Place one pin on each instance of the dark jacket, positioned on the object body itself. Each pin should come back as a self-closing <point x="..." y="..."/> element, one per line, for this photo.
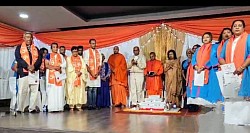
<point x="22" y="64"/>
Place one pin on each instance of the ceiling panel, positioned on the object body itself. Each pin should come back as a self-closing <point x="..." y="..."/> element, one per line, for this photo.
<point x="94" y="12"/>
<point x="57" y="18"/>
<point x="41" y="18"/>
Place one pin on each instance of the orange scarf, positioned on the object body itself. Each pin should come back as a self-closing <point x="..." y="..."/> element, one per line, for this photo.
<point x="240" y="49"/>
<point x="202" y="57"/>
<point x="55" y="60"/>
<point x="92" y="65"/>
<point x="190" y="75"/>
<point x="220" y="48"/>
<point x="25" y="54"/>
<point x="77" y="64"/>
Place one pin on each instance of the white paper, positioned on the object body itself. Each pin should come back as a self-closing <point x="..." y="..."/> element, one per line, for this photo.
<point x="228" y="68"/>
<point x="231" y="81"/>
<point x="199" y="78"/>
<point x="227" y="90"/>
<point x="231" y="90"/>
<point x="229" y="77"/>
<point x="220" y="78"/>
<point x="60" y="77"/>
<point x="33" y="78"/>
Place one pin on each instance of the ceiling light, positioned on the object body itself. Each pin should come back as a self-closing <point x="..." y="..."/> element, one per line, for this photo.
<point x="22" y="15"/>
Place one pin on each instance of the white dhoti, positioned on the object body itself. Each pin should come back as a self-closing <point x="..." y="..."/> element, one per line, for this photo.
<point x="27" y="90"/>
<point x="55" y="93"/>
<point x="136" y="89"/>
<point x="55" y="96"/>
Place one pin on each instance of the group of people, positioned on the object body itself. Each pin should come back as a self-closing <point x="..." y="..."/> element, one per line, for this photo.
<point x="233" y="46"/>
<point x="85" y="79"/>
<point x="54" y="80"/>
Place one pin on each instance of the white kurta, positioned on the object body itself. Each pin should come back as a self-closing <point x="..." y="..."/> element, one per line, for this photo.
<point x="136" y="79"/>
<point x="96" y="82"/>
<point x="55" y="94"/>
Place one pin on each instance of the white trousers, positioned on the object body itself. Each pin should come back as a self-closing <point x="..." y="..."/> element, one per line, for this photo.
<point x="27" y="90"/>
<point x="136" y="89"/>
<point x="12" y="86"/>
<point x="43" y="91"/>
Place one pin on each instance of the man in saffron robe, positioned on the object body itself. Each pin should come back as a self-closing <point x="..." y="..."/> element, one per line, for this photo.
<point x="119" y="78"/>
<point x="55" y="64"/>
<point x="237" y="51"/>
<point x="93" y="60"/>
<point x="29" y="61"/>
<point x="153" y="72"/>
<point x="76" y="80"/>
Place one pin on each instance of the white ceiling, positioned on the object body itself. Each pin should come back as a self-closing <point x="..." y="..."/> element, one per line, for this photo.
<point x="53" y="18"/>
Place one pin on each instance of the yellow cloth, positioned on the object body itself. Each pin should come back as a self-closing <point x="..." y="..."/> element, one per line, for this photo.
<point x="76" y="95"/>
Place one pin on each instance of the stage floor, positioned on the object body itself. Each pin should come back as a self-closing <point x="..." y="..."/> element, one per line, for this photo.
<point x="107" y="121"/>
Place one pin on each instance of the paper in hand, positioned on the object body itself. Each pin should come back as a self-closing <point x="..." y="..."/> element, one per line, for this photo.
<point x="60" y="77"/>
<point x="33" y="78"/>
<point x="199" y="78"/>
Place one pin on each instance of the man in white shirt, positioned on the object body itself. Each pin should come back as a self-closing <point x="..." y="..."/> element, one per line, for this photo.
<point x="92" y="58"/>
<point x="136" y="65"/>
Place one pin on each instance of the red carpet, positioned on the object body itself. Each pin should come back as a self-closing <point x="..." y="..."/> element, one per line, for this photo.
<point x="182" y="112"/>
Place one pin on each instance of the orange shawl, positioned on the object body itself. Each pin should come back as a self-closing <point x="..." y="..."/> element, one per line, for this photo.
<point x="190" y="75"/>
<point x="55" y="60"/>
<point x="202" y="57"/>
<point x="77" y="64"/>
<point x="220" y="48"/>
<point x="25" y="54"/>
<point x="92" y="65"/>
<point x="240" y="49"/>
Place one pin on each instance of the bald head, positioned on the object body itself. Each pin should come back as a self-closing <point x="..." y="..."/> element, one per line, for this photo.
<point x="116" y="50"/>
